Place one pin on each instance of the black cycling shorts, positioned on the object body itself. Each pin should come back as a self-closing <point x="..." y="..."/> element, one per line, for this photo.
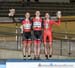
<point x="26" y="36"/>
<point x="37" y="35"/>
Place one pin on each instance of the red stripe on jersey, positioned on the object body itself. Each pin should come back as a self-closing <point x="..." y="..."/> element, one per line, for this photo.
<point x="37" y="24"/>
<point x="26" y="25"/>
<point x="48" y="24"/>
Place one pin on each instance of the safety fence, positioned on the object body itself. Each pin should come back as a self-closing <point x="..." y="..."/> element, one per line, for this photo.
<point x="11" y="38"/>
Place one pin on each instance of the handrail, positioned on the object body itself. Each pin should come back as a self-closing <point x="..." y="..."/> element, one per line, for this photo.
<point x="63" y="19"/>
<point x="61" y="33"/>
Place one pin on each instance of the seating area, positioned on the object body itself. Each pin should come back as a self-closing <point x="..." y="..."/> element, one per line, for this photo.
<point x="68" y="9"/>
<point x="68" y="13"/>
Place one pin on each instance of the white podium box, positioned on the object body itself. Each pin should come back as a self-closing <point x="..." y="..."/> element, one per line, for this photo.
<point x="40" y="65"/>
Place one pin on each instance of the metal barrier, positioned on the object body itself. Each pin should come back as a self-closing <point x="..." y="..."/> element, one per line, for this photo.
<point x="61" y="45"/>
<point x="13" y="41"/>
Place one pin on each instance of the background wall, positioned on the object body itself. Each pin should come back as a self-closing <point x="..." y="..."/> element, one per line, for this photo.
<point x="41" y="0"/>
<point x="54" y="0"/>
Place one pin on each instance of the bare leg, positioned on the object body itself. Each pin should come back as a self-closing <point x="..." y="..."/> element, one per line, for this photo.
<point x="35" y="49"/>
<point x="46" y="50"/>
<point x="51" y="49"/>
<point x="38" y="51"/>
<point x="29" y="49"/>
<point x="45" y="47"/>
<point x="24" y="49"/>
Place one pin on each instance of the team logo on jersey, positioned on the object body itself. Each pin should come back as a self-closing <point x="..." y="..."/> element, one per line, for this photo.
<point x="47" y="25"/>
<point x="37" y="24"/>
<point x="27" y="26"/>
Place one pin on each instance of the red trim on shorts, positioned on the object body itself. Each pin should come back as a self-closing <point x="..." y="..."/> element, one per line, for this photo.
<point x="36" y="42"/>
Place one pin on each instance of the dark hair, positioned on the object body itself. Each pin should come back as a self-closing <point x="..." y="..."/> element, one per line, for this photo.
<point x="49" y="15"/>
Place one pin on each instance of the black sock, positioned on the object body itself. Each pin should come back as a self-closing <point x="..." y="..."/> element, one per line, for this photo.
<point x="50" y="55"/>
<point x="46" y="56"/>
<point x="24" y="56"/>
<point x="29" y="55"/>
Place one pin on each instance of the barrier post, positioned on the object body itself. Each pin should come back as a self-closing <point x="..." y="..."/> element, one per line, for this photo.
<point x="69" y="48"/>
<point x="61" y="47"/>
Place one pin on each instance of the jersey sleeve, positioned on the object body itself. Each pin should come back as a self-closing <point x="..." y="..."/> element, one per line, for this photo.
<point x="56" y="22"/>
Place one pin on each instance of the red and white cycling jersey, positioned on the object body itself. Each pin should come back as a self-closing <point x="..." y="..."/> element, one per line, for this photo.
<point x="48" y="30"/>
<point x="48" y="24"/>
<point x="37" y="23"/>
<point x="26" y="25"/>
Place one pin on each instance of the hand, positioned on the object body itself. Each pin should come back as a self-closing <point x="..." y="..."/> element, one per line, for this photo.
<point x="59" y="14"/>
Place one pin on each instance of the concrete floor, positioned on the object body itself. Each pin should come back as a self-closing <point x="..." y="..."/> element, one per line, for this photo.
<point x="13" y="54"/>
